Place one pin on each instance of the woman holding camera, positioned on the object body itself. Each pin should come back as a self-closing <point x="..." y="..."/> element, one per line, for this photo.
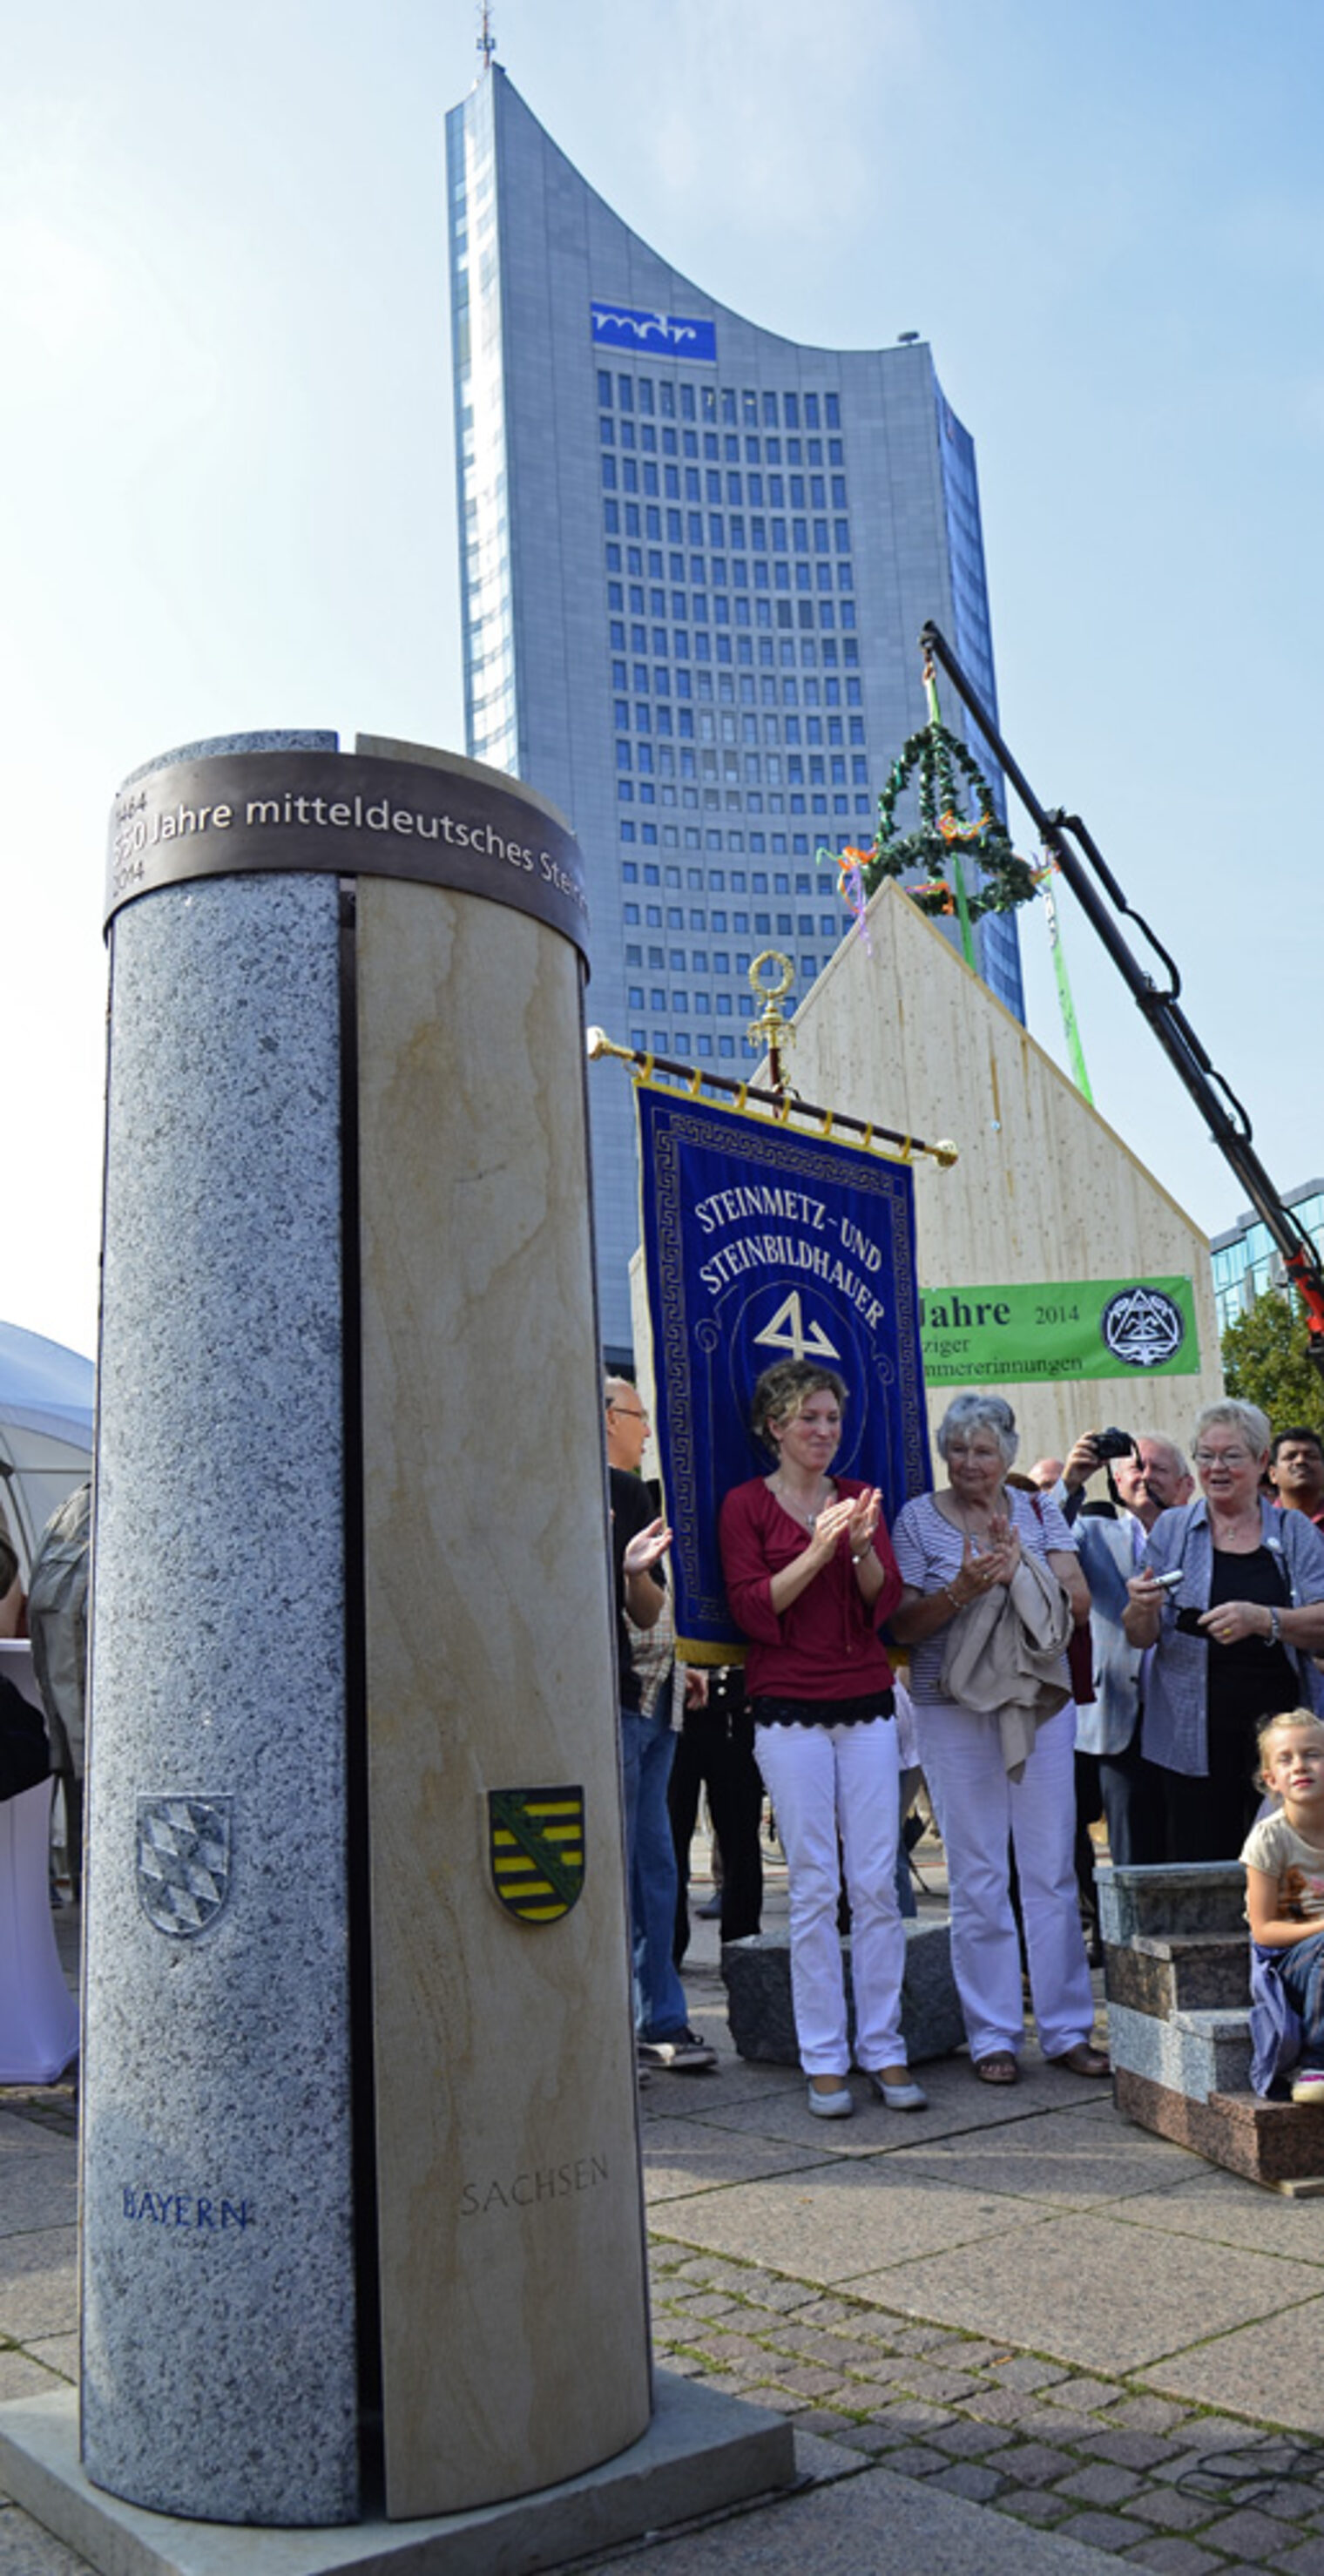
<point x="1231" y="1598"/>
<point x="954" y="1548"/>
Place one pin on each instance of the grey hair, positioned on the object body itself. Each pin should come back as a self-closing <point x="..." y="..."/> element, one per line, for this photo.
<point x="967" y="1413"/>
<point x="1160" y="1440"/>
<point x="1236" y="1416"/>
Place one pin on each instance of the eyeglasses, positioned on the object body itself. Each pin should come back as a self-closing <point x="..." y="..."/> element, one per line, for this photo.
<point x="629" y="1412"/>
<point x="1222" y="1457"/>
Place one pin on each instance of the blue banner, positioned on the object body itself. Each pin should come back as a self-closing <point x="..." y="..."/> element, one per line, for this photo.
<point x="762" y="1243"/>
<point x="671" y="335"/>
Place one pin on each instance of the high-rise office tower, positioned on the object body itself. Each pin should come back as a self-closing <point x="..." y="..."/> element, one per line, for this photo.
<point x="695" y="558"/>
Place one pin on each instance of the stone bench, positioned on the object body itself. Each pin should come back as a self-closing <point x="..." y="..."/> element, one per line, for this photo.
<point x="1176" y="1957"/>
<point x="757" y="1976"/>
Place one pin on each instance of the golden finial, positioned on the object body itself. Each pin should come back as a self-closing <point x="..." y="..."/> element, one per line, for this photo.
<point x="771" y="1031"/>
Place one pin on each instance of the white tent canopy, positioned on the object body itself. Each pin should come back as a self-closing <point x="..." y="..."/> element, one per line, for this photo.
<point x="46" y="1404"/>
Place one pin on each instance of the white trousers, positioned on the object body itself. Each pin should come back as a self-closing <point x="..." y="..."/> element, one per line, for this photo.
<point x="821" y="1780"/>
<point x="979" y="1810"/>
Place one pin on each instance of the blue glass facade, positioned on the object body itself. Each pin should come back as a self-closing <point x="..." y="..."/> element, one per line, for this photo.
<point x="695" y="560"/>
<point x="1247" y="1261"/>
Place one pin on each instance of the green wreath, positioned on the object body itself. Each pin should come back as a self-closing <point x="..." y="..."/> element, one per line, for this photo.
<point x="1004" y="879"/>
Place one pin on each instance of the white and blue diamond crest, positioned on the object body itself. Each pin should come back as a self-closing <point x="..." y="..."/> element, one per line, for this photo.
<point x="183" y="1862"/>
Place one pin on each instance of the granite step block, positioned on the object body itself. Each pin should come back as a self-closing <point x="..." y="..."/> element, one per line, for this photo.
<point x="1195" y="2053"/>
<point x="1187" y="1896"/>
<point x="1275" y="2143"/>
<point x="1163" y="1974"/>
<point x="757" y="1975"/>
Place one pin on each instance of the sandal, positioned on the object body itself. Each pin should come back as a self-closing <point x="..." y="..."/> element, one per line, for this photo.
<point x="1084" y="2059"/>
<point x="1000" y="2068"/>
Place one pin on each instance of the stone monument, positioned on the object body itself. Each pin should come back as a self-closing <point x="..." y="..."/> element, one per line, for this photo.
<point x="361" y="2193"/>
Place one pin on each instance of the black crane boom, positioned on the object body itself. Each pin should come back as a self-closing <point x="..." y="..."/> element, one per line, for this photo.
<point x="1229" y="1125"/>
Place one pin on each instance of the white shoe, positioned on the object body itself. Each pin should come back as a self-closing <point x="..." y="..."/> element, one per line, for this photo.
<point x="900" y="2097"/>
<point x="831" y="2106"/>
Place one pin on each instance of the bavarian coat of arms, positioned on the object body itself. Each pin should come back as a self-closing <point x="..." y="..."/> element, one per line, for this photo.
<point x="183" y="1862"/>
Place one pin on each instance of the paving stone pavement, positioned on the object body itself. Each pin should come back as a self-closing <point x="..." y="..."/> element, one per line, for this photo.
<point x="1078" y="2428"/>
<point x="1042" y="2366"/>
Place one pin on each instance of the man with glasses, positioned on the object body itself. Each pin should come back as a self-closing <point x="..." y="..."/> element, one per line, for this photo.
<point x="639" y="1542"/>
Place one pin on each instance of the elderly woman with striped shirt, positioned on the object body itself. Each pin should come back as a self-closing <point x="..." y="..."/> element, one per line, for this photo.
<point x="952" y="1547"/>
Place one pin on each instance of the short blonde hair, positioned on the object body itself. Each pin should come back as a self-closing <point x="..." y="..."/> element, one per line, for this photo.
<point x="1287" y="1721"/>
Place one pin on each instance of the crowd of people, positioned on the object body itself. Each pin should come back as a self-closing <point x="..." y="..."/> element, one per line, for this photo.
<point x="1121" y="1634"/>
<point x="1148" y="1650"/>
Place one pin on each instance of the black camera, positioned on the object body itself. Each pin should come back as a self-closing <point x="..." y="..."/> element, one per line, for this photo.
<point x="1114" y="1444"/>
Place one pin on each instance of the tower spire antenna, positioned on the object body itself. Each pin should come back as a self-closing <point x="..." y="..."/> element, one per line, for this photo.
<point x="486" y="42"/>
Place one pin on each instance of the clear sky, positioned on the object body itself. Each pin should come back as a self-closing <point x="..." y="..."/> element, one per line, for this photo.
<point x="225" y="443"/>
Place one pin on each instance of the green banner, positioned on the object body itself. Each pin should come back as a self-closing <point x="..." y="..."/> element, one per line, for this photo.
<point x="1059" y="1328"/>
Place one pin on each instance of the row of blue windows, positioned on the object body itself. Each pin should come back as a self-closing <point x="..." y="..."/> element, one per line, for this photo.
<point x="781" y="727"/>
<point x="808" y="691"/>
<point x="676" y="642"/>
<point x="758" y="842"/>
<point x="815" y="769"/>
<point x="699" y="961"/>
<point x="707" y="483"/>
<point x="793" y="453"/>
<point x="786" y="926"/>
<point x="717" y="402"/>
<point x="627" y="478"/>
<point x="710" y="648"/>
<point x="661" y="1044"/>
<point x="716" y="879"/>
<point x="725" y="608"/>
<point x="723" y="611"/>
<point x="721" y="965"/>
<point x="640" y="754"/>
<point x="713" y="572"/>
<point x="811" y="651"/>
<point x="678" y="1001"/>
<point x="675" y="965"/>
<point x="824" y="770"/>
<point x="646" y="793"/>
<point x="698" y="607"/>
<point x="686" y="527"/>
<point x="704" y="1006"/>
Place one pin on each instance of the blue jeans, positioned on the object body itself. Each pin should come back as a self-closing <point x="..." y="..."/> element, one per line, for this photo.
<point x="1301" y="1968"/>
<point x="647" y="1750"/>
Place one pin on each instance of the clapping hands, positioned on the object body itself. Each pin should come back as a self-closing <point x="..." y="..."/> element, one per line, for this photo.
<point x="999" y="1559"/>
<point x="644" y="1549"/>
<point x="855" y="1519"/>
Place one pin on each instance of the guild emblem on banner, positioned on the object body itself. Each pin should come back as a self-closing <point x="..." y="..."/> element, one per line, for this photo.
<point x="788" y="1331"/>
<point x="535" y="1849"/>
<point x="183" y="1862"/>
<point x="1143" y="1327"/>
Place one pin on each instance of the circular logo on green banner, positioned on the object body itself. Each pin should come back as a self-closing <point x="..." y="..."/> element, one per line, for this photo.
<point x="1142" y="1327"/>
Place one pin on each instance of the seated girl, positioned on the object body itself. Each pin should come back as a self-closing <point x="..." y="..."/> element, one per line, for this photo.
<point x="1284" y="1862"/>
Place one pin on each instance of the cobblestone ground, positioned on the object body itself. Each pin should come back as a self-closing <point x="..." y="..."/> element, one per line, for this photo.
<point x="1166" y="2486"/>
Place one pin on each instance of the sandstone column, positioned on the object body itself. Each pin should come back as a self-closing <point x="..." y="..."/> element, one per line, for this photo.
<point x="360" y="2165"/>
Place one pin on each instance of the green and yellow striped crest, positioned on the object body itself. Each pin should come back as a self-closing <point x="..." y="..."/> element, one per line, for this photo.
<point x="535" y="1843"/>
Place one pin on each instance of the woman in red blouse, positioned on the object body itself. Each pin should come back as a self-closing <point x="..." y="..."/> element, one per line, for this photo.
<point x="810" y="1576"/>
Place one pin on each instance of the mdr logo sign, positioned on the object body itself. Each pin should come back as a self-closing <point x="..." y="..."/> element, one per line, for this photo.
<point x="677" y="335"/>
